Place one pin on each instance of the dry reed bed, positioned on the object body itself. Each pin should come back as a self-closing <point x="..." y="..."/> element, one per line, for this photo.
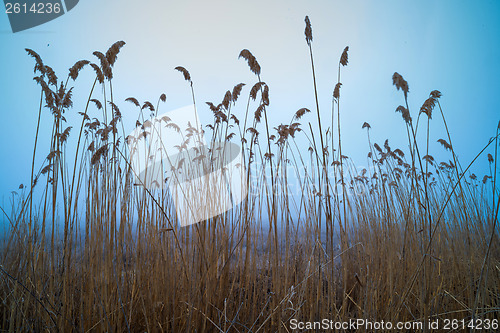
<point x="408" y="239"/>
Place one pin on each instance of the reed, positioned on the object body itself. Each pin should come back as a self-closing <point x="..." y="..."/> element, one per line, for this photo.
<point x="418" y="239"/>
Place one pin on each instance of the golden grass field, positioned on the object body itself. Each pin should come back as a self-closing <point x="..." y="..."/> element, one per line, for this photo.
<point x="407" y="239"/>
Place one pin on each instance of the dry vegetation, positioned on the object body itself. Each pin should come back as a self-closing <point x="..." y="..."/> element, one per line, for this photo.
<point x="406" y="239"/>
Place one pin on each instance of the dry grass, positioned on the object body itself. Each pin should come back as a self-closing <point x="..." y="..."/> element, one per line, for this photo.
<point x="96" y="253"/>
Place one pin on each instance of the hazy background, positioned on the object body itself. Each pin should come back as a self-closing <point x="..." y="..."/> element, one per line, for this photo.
<point x="452" y="46"/>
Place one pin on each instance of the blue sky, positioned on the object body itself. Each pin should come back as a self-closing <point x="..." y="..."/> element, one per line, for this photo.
<point x="452" y="46"/>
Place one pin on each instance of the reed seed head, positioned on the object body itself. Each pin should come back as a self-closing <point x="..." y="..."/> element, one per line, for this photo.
<point x="405" y="113"/>
<point x="133" y="101"/>
<point x="252" y="61"/>
<point x="301" y="112"/>
<point x="39" y="63"/>
<point x="400" y="83"/>
<point x="237" y="91"/>
<point x="428" y="106"/>
<point x="51" y="75"/>
<point x="255" y="89"/>
<point x="106" y="67"/>
<point x="445" y="144"/>
<point x="265" y="95"/>
<point x="148" y="105"/>
<point x="436" y="94"/>
<point x="98" y="72"/>
<point x="308" y="31"/>
<point x="336" y="91"/>
<point x="258" y="113"/>
<point x="227" y="99"/>
<point x="77" y="67"/>
<point x="344" y="57"/>
<point x="184" y="72"/>
<point x="113" y="51"/>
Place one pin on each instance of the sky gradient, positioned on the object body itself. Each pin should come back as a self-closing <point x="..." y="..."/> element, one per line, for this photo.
<point x="451" y="46"/>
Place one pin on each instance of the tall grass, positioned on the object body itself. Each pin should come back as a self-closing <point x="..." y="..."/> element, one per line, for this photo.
<point x="96" y="251"/>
